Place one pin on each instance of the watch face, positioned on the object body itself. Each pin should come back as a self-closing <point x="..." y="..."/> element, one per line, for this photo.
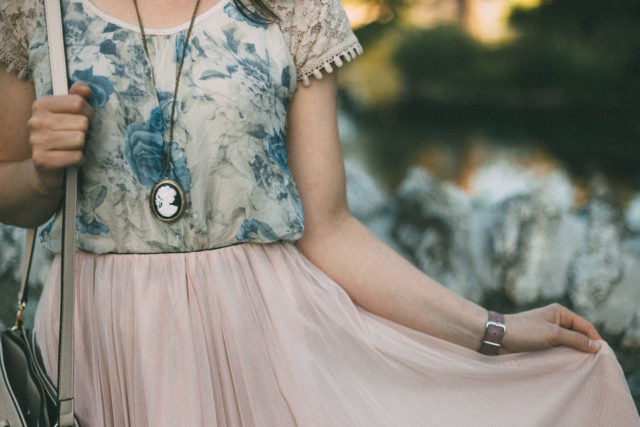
<point x="167" y="200"/>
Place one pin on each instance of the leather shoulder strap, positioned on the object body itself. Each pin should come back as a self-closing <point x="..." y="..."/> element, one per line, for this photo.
<point x="65" y="351"/>
<point x="29" y="245"/>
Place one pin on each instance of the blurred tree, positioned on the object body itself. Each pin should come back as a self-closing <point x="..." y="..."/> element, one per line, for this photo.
<point x="465" y="11"/>
<point x="601" y="39"/>
<point x="569" y="79"/>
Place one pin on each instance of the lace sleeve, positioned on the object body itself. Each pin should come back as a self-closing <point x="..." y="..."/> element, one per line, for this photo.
<point x="320" y="36"/>
<point x="16" y="19"/>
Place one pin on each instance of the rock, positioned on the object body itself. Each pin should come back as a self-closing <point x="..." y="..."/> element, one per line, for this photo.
<point x="369" y="203"/>
<point x="501" y="180"/>
<point x="11" y="262"/>
<point x="632" y="214"/>
<point x="366" y="198"/>
<point x="616" y="313"/>
<point x="479" y="244"/>
<point x="516" y="235"/>
<point x="12" y="239"/>
<point x="631" y="337"/>
<point x="532" y="237"/>
<point x="433" y="227"/>
<point x="554" y="271"/>
<point x="598" y="263"/>
<point x="634" y="385"/>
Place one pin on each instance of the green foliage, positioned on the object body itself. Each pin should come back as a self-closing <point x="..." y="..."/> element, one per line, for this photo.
<point x="582" y="18"/>
<point x="549" y="69"/>
<point x="569" y="79"/>
<point x="441" y="55"/>
<point x="599" y="40"/>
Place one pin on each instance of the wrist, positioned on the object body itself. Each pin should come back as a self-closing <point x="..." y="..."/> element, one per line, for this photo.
<point x="495" y="330"/>
<point x="51" y="187"/>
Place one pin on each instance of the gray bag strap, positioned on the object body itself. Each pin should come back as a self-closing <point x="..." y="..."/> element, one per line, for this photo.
<point x="65" y="349"/>
<point x="55" y="36"/>
<point x="28" y="258"/>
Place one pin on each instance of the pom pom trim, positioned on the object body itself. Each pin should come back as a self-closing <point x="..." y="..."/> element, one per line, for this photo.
<point x="328" y="60"/>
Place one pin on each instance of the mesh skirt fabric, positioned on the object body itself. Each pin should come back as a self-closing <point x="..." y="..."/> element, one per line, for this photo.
<point x="256" y="335"/>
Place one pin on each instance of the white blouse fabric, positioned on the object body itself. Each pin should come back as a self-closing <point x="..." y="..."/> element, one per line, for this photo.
<point x="229" y="136"/>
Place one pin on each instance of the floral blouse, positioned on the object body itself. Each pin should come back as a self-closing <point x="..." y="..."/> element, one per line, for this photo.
<point x="228" y="153"/>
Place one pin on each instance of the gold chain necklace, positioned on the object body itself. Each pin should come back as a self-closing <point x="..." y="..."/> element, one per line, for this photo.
<point x="167" y="199"/>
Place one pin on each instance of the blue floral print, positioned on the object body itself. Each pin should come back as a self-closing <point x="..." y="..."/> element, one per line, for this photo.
<point x="75" y="29"/>
<point x="250" y="229"/>
<point x="143" y="150"/>
<point x="165" y="100"/>
<point x="269" y="179"/>
<point x="286" y="76"/>
<point x="46" y="230"/>
<point x="180" y="47"/>
<point x="101" y="87"/>
<point x="108" y="47"/>
<point x="276" y="150"/>
<point x="156" y="120"/>
<point x="179" y="171"/>
<point x="92" y="197"/>
<point x="86" y="224"/>
<point x="228" y="152"/>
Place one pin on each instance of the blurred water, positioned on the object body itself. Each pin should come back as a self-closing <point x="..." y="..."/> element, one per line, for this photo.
<point x="454" y="143"/>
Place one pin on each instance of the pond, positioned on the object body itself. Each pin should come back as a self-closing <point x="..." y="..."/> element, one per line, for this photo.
<point x="453" y="142"/>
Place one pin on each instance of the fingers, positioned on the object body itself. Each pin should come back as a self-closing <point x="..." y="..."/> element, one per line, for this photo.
<point x="80" y="88"/>
<point x="53" y="160"/>
<point x="549" y="326"/>
<point x="60" y="121"/>
<point x="57" y="140"/>
<point x="74" y="103"/>
<point x="569" y="319"/>
<point x="576" y="340"/>
<point x="582" y="325"/>
<point x="57" y="133"/>
<point x="574" y="331"/>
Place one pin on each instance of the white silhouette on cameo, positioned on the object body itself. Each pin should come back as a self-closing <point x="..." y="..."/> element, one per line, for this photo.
<point x="164" y="201"/>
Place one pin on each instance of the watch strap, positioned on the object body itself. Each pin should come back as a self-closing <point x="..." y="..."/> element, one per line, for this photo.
<point x="493" y="334"/>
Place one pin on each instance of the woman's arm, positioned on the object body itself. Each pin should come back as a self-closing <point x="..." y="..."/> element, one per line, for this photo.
<point x="373" y="275"/>
<point x="39" y="139"/>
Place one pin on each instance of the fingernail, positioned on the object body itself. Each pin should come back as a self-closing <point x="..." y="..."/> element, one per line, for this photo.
<point x="594" y="345"/>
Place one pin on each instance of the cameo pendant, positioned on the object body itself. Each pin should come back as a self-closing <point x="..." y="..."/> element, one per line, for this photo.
<point x="167" y="200"/>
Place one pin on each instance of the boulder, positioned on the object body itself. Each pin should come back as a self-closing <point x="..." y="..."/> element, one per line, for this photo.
<point x="12" y="239"/>
<point x="632" y="214"/>
<point x="369" y="202"/>
<point x="527" y="229"/>
<point x="598" y="264"/>
<point x="11" y="262"/>
<point x="617" y="312"/>
<point x="432" y="226"/>
<point x="531" y="242"/>
<point x="631" y="337"/>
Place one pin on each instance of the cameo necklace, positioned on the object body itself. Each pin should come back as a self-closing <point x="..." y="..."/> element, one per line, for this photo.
<point x="167" y="199"/>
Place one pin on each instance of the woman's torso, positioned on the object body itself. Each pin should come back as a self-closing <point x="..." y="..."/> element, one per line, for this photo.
<point x="229" y="137"/>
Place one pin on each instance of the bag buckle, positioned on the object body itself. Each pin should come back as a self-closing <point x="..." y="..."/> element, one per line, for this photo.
<point x="19" y="316"/>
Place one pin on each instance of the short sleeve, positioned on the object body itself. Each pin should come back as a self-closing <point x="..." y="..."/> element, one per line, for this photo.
<point x="17" y="17"/>
<point x="320" y="37"/>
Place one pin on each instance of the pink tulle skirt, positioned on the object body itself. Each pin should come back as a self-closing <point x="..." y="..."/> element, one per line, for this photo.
<point x="256" y="335"/>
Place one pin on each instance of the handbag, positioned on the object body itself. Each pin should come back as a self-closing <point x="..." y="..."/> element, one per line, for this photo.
<point x="27" y="396"/>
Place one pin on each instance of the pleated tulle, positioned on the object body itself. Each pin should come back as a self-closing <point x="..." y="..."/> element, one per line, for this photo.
<point x="255" y="335"/>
